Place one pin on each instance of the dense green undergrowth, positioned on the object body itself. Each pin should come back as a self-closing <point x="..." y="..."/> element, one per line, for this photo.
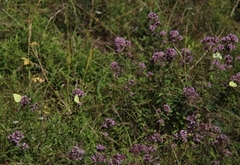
<point x="100" y="82"/>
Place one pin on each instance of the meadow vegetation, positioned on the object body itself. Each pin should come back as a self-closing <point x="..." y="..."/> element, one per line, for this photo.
<point x="132" y="82"/>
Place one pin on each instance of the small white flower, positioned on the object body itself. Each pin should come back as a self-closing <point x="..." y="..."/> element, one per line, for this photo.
<point x="15" y="122"/>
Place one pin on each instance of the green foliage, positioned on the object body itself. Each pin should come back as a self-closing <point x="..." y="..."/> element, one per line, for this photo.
<point x="51" y="51"/>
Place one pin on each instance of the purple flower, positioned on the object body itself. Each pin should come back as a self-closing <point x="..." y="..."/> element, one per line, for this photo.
<point x="226" y="152"/>
<point x="170" y="54"/>
<point x="152" y="16"/>
<point x="101" y="147"/>
<point x="174" y="36"/>
<point x="78" y="92"/>
<point x="230" y="38"/>
<point x="238" y="58"/>
<point x="160" y="121"/>
<point x="131" y="82"/>
<point x="99" y="158"/>
<point x="218" y="64"/>
<point x="228" y="59"/>
<point x="233" y="37"/>
<point x="117" y="159"/>
<point x="115" y="66"/>
<point x="121" y="44"/>
<point x="191" y="119"/>
<point x="154" y="21"/>
<point x="222" y="138"/>
<point x="142" y="65"/>
<point x="24" y="146"/>
<point x="231" y="47"/>
<point x="158" y="56"/>
<point x="163" y="33"/>
<point x="209" y="39"/>
<point x="216" y="162"/>
<point x="156" y="137"/>
<point x="149" y="74"/>
<point x="190" y="93"/>
<point x="25" y="100"/>
<point x="138" y="148"/>
<point x="16" y="137"/>
<point x="166" y="108"/>
<point x="198" y="137"/>
<point x="108" y="123"/>
<point x="187" y="57"/>
<point x="152" y="28"/>
<point x="215" y="129"/>
<point x="236" y="78"/>
<point x="183" y="135"/>
<point x="149" y="159"/>
<point x="158" y="110"/>
<point x="219" y="48"/>
<point x="34" y="106"/>
<point x="76" y="153"/>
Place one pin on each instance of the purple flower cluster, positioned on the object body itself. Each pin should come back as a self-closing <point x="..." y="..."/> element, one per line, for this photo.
<point x="34" y="106"/>
<point x="218" y="64"/>
<point x="190" y="93"/>
<point x="192" y="119"/>
<point x="76" y="153"/>
<point x="78" y="92"/>
<point x="156" y="137"/>
<point x="236" y="78"/>
<point x="138" y="149"/>
<point x="101" y="147"/>
<point x="186" y="55"/>
<point x="174" y="36"/>
<point x="117" y="159"/>
<point x="99" y="158"/>
<point x="108" y="123"/>
<point x="115" y="66"/>
<point x="182" y="135"/>
<point x="210" y="41"/>
<point x="230" y="41"/>
<point x="142" y="65"/>
<point x="149" y="74"/>
<point x="166" y="108"/>
<point x="207" y="133"/>
<point x="169" y="55"/>
<point x="227" y="64"/>
<point x="158" y="57"/>
<point x="216" y="162"/>
<point x="121" y="44"/>
<point x="226" y="152"/>
<point x="147" y="151"/>
<point x="154" y="21"/>
<point x="25" y="100"/>
<point x="220" y="44"/>
<point x="228" y="60"/>
<point x="16" y="138"/>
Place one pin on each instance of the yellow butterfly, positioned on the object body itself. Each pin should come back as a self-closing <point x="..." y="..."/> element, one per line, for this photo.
<point x="217" y="56"/>
<point x="232" y="84"/>
<point x="17" y="97"/>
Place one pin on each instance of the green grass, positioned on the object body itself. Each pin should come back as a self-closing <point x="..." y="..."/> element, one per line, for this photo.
<point x="69" y="45"/>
